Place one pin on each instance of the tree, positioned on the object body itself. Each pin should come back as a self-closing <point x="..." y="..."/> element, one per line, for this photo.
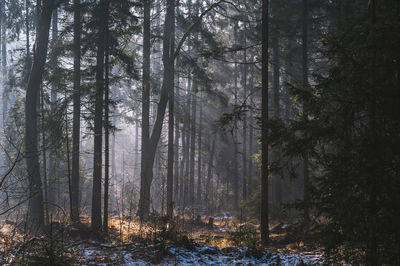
<point x="276" y="152"/>
<point x="305" y="87"/>
<point x="75" y="179"/>
<point x="101" y="15"/>
<point x="352" y="134"/>
<point x="194" y="89"/>
<point x="3" y="31"/>
<point x="35" y="208"/>
<point x="106" y="131"/>
<point x="169" y="57"/>
<point x="171" y="64"/>
<point x="264" y="127"/>
<point x="146" y="174"/>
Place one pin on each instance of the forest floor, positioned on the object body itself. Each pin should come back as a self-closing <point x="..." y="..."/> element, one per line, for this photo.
<point x="191" y="241"/>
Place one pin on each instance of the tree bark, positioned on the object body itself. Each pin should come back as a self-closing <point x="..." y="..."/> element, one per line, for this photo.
<point x="209" y="174"/>
<point x="372" y="246"/>
<point x="264" y="127"/>
<point x="305" y="87"/>
<point x="76" y="123"/>
<point x="54" y="184"/>
<point x="187" y="154"/>
<point x="171" y="64"/>
<point x="106" y="134"/>
<point x="251" y="134"/>
<point x="192" y="142"/>
<point x="176" y="150"/>
<point x="4" y="61"/>
<point x="244" y="145"/>
<point x="146" y="171"/>
<point x="102" y="21"/>
<point x="276" y="87"/>
<point x="168" y="82"/>
<point x="182" y="166"/>
<point x="235" y="136"/>
<point x="35" y="208"/>
<point x="44" y="158"/>
<point x="199" y="150"/>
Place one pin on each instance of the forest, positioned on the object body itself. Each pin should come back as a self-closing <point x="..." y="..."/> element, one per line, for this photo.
<point x="200" y="132"/>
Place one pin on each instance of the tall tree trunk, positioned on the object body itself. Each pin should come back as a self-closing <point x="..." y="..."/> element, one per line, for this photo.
<point x="177" y="176"/>
<point x="187" y="133"/>
<point x="76" y="123"/>
<point x="44" y="158"/>
<point x="251" y="133"/>
<point x="27" y="36"/>
<point x="305" y="87"/>
<point x="68" y="154"/>
<point x="4" y="61"/>
<point x="187" y="159"/>
<point x="106" y="133"/>
<point x="235" y="137"/>
<point x="102" y="22"/>
<point x="276" y="87"/>
<point x="209" y="174"/>
<point x="372" y="246"/>
<point x="244" y="145"/>
<point x="264" y="126"/>
<point x="168" y="83"/>
<point x="136" y="171"/>
<point x="192" y="141"/>
<point x="199" y="151"/>
<point x="113" y="171"/>
<point x="35" y="208"/>
<point x="146" y="171"/>
<point x="182" y="166"/>
<point x="54" y="184"/>
<point x="176" y="152"/>
<point x="169" y="56"/>
<point x="170" y="170"/>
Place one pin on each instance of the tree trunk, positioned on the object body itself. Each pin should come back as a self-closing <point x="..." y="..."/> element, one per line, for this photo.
<point x="264" y="126"/>
<point x="171" y="48"/>
<point x="372" y="246"/>
<point x="76" y="124"/>
<point x="35" y="208"/>
<point x="102" y="21"/>
<point x="305" y="87"/>
<point x="235" y="138"/>
<point x="113" y="172"/>
<point x="68" y="154"/>
<point x="199" y="173"/>
<point x="176" y="153"/>
<point x="244" y="145"/>
<point x="136" y="171"/>
<point x="27" y="34"/>
<point x="276" y="87"/>
<point x="146" y="171"/>
<point x="187" y="132"/>
<point x="54" y="184"/>
<point x="182" y="166"/>
<point x="192" y="141"/>
<point x="209" y="174"/>
<point x="187" y="159"/>
<point x="106" y="133"/>
<point x="169" y="56"/>
<point x="251" y="134"/>
<point x="168" y="83"/>
<point x="4" y="61"/>
<point x="44" y="158"/>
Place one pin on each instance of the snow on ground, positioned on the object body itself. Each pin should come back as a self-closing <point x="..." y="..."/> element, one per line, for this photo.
<point x="208" y="255"/>
<point x="211" y="255"/>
